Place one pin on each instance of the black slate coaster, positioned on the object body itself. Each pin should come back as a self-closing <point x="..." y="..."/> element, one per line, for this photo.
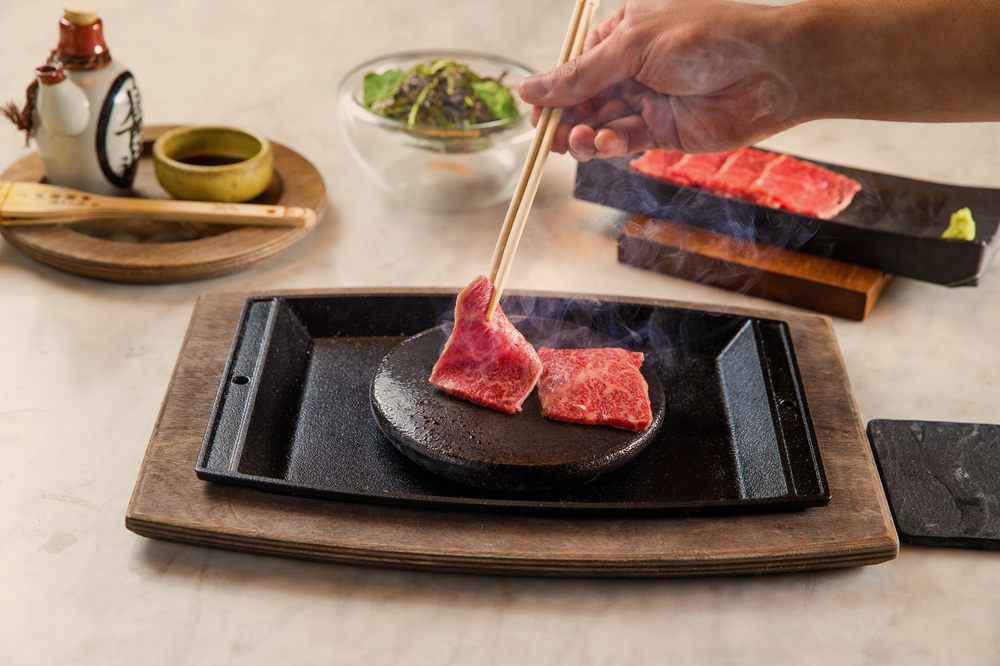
<point x="942" y="480"/>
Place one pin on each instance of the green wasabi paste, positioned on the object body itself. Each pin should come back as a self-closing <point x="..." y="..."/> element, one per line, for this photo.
<point x="962" y="226"/>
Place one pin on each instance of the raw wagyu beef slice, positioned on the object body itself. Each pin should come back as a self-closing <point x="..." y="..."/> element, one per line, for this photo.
<point x="697" y="169"/>
<point x="768" y="179"/>
<point x="657" y="163"/>
<point x="682" y="168"/>
<point x="600" y="386"/>
<point x="739" y="171"/>
<point x="488" y="363"/>
<point x="803" y="187"/>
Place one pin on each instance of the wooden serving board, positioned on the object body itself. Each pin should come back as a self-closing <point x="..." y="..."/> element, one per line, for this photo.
<point x="170" y="502"/>
<point x="804" y="280"/>
<point x="144" y="251"/>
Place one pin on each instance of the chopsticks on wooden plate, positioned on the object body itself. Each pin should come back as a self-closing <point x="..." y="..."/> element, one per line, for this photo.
<point x="37" y="204"/>
<point x="531" y="173"/>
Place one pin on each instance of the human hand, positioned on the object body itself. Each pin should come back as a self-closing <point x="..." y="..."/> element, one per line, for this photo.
<point x="692" y="75"/>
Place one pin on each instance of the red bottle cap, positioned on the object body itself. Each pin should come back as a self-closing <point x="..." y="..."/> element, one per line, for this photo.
<point x="81" y="35"/>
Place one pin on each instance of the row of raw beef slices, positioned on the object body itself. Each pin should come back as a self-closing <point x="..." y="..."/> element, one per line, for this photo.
<point x="765" y="178"/>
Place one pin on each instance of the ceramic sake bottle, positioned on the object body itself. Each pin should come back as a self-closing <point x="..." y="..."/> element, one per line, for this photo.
<point x="87" y="112"/>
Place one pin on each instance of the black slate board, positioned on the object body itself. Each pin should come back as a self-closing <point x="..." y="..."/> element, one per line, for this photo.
<point x="293" y="414"/>
<point x="942" y="480"/>
<point x="893" y="224"/>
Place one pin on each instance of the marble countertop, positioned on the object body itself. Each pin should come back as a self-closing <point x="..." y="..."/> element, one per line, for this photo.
<point x="85" y="364"/>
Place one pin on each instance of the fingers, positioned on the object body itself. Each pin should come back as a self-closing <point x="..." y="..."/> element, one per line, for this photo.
<point x="613" y="109"/>
<point x="585" y="116"/>
<point x="581" y="142"/>
<point x="582" y="78"/>
<point x="569" y="120"/>
<point x="560" y="141"/>
<point x="621" y="137"/>
<point x="607" y="26"/>
<point x="617" y="138"/>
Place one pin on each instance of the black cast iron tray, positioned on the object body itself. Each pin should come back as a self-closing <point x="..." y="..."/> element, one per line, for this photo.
<point x="893" y="223"/>
<point x="293" y="416"/>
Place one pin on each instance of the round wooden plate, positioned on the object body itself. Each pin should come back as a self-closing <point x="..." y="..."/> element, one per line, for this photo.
<point x="144" y="251"/>
<point x="480" y="447"/>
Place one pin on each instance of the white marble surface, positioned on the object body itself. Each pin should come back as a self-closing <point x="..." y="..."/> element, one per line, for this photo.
<point x="83" y="366"/>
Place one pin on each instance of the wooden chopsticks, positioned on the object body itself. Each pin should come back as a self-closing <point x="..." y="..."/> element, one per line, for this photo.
<point x="531" y="174"/>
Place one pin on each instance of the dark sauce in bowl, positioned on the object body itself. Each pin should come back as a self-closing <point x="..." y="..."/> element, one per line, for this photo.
<point x="211" y="160"/>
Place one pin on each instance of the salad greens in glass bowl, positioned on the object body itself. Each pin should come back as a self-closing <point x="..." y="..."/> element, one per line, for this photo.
<point x="444" y="94"/>
<point x="438" y="129"/>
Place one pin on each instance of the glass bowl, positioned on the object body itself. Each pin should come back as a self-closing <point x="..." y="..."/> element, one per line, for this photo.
<point x="435" y="168"/>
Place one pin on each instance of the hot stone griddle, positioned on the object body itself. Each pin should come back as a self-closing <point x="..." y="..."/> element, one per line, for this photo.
<point x="293" y="412"/>
<point x="485" y="448"/>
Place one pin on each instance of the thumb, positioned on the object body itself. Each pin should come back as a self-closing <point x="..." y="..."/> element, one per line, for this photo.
<point x="583" y="77"/>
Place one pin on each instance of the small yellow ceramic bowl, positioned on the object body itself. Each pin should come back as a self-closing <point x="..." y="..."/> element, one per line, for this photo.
<point x="213" y="163"/>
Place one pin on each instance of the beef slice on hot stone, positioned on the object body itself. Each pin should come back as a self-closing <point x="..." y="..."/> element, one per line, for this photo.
<point x="600" y="386"/>
<point x="488" y="363"/>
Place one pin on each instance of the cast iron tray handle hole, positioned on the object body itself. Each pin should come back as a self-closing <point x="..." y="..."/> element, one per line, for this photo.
<point x="240" y="380"/>
<point x="784" y="403"/>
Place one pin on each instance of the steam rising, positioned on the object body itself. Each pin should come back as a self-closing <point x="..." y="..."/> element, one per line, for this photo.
<point x="718" y="97"/>
<point x="755" y="94"/>
<point x="575" y="322"/>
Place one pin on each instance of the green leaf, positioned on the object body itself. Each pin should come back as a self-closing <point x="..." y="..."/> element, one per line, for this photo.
<point x="961" y="226"/>
<point x="439" y="65"/>
<point x="497" y="99"/>
<point x="380" y="87"/>
<point x="411" y="120"/>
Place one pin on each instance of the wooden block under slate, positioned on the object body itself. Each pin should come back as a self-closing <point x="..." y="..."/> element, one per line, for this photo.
<point x="804" y="280"/>
<point x="942" y="480"/>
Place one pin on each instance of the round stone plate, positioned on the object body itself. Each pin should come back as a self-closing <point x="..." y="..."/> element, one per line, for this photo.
<point x="481" y="447"/>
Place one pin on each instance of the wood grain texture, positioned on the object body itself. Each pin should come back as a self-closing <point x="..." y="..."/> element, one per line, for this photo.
<point x="142" y="251"/>
<point x="169" y="502"/>
<point x="804" y="280"/>
<point x="40" y="204"/>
